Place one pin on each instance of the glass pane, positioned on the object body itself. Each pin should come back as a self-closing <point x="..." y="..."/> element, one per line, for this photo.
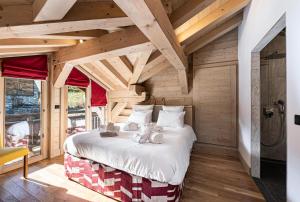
<point x="22" y="114"/>
<point x="98" y="117"/>
<point x="76" y="110"/>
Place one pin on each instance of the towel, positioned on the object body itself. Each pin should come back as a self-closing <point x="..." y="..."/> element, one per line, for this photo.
<point x="109" y="126"/>
<point x="131" y="126"/>
<point x="157" y="129"/>
<point x="142" y="137"/>
<point x="109" y="130"/>
<point x="157" y="138"/>
<point x="108" y="134"/>
<point x="154" y="127"/>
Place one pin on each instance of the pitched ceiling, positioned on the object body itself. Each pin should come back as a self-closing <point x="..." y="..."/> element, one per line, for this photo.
<point x="118" y="42"/>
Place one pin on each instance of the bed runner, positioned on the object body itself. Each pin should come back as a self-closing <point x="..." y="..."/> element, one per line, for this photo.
<point x="118" y="184"/>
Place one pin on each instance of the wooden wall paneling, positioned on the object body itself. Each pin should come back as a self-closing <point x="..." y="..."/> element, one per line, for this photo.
<point x="221" y="50"/>
<point x="54" y="134"/>
<point x="63" y="116"/>
<point x="215" y="103"/>
<point x="88" y="110"/>
<point x="165" y="88"/>
<point x="45" y="120"/>
<point x="2" y="110"/>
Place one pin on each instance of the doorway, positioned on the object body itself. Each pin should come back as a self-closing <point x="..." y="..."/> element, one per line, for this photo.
<point x="24" y="118"/>
<point x="268" y="109"/>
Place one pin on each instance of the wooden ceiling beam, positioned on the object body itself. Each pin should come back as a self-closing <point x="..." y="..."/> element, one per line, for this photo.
<point x="126" y="96"/>
<point x="214" y="18"/>
<point x="214" y="34"/>
<point x="45" y="10"/>
<point x="116" y="111"/>
<point x="95" y="76"/>
<point x="139" y="66"/>
<point x="77" y="35"/>
<point x="150" y="17"/>
<point x="13" y="52"/>
<point x="61" y="73"/>
<point x="110" y="70"/>
<point x="17" y="21"/>
<point x="35" y="43"/>
<point x="188" y="10"/>
<point x="122" y="65"/>
<point x="153" y="70"/>
<point x="107" y="46"/>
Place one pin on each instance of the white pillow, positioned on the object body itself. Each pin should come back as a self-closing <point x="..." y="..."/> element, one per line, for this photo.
<point x="173" y="108"/>
<point x="170" y="119"/>
<point x="140" y="117"/>
<point x="142" y="107"/>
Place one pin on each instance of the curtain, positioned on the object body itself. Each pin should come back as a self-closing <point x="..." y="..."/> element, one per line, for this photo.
<point x="29" y="67"/>
<point x="98" y="98"/>
<point x="77" y="78"/>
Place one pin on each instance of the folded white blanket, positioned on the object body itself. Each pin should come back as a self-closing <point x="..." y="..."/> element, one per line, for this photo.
<point x="131" y="126"/>
<point x="156" y="138"/>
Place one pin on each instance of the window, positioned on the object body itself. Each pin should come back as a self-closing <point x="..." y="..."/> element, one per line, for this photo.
<point x="76" y="109"/>
<point x="23" y="114"/>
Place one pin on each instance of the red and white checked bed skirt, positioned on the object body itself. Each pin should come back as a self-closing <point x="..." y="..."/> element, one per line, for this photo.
<point x="118" y="184"/>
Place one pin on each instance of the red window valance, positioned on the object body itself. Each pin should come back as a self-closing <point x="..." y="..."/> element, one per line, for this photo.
<point x="77" y="78"/>
<point x="98" y="95"/>
<point x="29" y="67"/>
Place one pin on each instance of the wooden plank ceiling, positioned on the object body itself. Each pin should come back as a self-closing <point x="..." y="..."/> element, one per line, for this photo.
<point x="118" y="43"/>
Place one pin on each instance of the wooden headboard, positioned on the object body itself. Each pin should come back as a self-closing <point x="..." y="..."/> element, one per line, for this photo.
<point x="188" y="119"/>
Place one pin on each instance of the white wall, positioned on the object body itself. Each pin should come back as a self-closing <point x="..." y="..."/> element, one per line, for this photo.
<point x="259" y="17"/>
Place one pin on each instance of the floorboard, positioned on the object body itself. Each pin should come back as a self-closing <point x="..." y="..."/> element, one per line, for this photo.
<point x="211" y="177"/>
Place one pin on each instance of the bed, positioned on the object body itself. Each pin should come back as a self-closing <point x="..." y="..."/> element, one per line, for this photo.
<point x="127" y="171"/>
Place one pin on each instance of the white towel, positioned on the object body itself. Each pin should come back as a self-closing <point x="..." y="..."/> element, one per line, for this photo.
<point x="131" y="126"/>
<point x="157" y="138"/>
<point x="142" y="137"/>
<point x="157" y="129"/>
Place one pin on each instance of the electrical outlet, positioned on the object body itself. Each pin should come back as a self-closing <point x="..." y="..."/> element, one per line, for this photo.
<point x="297" y="119"/>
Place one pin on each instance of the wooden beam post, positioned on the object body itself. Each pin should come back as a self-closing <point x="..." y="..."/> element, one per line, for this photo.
<point x="45" y="10"/>
<point x="139" y="66"/>
<point x="150" y="17"/>
<point x="60" y="74"/>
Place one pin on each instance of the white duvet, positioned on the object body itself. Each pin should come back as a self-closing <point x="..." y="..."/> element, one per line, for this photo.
<point x="167" y="162"/>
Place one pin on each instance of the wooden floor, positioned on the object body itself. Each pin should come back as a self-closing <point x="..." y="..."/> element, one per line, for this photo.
<point x="210" y="178"/>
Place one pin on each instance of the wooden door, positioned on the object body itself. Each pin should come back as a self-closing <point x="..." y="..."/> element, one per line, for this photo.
<point x="214" y="98"/>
